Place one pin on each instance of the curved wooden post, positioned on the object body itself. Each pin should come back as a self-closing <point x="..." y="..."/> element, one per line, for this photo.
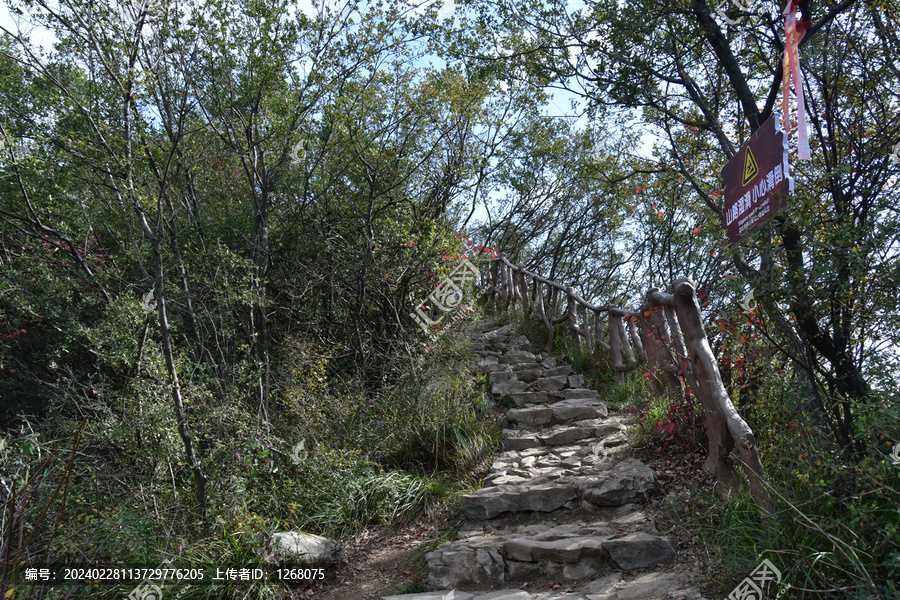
<point x="586" y="329"/>
<point x="615" y="349"/>
<point x="629" y="359"/>
<point x="572" y="312"/>
<point x="504" y="284"/>
<point x="725" y="427"/>
<point x="659" y="361"/>
<point x="551" y="320"/>
<point x="598" y="337"/>
<point x="523" y="293"/>
<point x="682" y="359"/>
<point x="636" y="340"/>
<point x="495" y="277"/>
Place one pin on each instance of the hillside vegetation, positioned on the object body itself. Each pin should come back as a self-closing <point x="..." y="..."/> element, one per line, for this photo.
<point x="216" y="220"/>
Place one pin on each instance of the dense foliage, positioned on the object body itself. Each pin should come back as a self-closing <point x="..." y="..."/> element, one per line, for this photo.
<point x="216" y="219"/>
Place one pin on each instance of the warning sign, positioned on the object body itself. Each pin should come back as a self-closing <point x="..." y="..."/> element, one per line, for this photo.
<point x="756" y="181"/>
<point x="751" y="169"/>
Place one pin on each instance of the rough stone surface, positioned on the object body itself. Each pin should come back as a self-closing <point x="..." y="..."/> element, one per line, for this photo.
<point x="305" y="548"/>
<point x="564" y="456"/>
<point x="637" y="550"/>
<point x="489" y="502"/>
<point x="567" y="550"/>
<point x="629" y="480"/>
<point x="505" y="388"/>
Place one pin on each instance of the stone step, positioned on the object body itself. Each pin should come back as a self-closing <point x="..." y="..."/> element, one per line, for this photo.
<point x="565" y="411"/>
<point x="595" y="435"/>
<point x="557" y="517"/>
<point x="578" y="551"/>
<point x="518" y="357"/>
<point x="538" y="480"/>
<point x="507" y="383"/>
<point x="617" y="586"/>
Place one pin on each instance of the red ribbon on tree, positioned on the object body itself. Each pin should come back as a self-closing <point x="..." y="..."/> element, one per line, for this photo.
<point x="794" y="31"/>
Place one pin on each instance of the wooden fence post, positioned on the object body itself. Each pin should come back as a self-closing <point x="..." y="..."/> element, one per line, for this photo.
<point x="523" y="293"/>
<point x="572" y="312"/>
<point x="659" y="361"/>
<point x="725" y="427"/>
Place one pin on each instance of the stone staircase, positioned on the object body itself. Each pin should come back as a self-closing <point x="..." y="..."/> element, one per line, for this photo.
<point x="558" y="516"/>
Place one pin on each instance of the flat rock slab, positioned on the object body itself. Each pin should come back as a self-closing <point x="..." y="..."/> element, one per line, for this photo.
<point x="439" y="595"/>
<point x="505" y="388"/>
<point x="627" y="481"/>
<point x="649" y="586"/>
<point x="531" y="417"/>
<point x="578" y="393"/>
<point x="550" y="384"/>
<point x="638" y="550"/>
<point x="500" y="331"/>
<point x="518" y="356"/>
<point x="566" y="550"/>
<point x="489" y="502"/>
<point x="554" y="370"/>
<point x="566" y="436"/>
<point x="530" y="398"/>
<point x="521" y="443"/>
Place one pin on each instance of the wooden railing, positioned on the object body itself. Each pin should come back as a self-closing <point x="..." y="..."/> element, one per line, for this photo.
<point x="666" y="334"/>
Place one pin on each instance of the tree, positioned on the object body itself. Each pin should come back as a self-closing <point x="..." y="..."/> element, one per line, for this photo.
<point x="677" y="65"/>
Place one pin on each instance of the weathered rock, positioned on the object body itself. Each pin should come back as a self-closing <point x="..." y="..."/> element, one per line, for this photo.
<point x="652" y="586"/>
<point x="532" y="417"/>
<point x="500" y="331"/>
<point x="637" y="550"/>
<point x="563" y="437"/>
<point x="554" y="371"/>
<point x="489" y="502"/>
<point x="550" y="384"/>
<point x="505" y="388"/>
<point x="604" y="588"/>
<point x="521" y="443"/>
<point x="455" y="564"/>
<point x="518" y="341"/>
<point x="503" y="595"/>
<point x="567" y="550"/>
<point x="529" y="398"/>
<point x="581" y="571"/>
<point x="627" y="481"/>
<point x="494" y="367"/>
<point x="438" y="595"/>
<point x="608" y="429"/>
<point x="529" y="375"/>
<point x="518" y="356"/>
<point x="580" y="393"/>
<point x="569" y="413"/>
<point x="559" y="454"/>
<point x="304" y="548"/>
<point x="504" y="375"/>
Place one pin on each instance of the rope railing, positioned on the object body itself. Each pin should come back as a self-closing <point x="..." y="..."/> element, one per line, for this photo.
<point x="666" y="334"/>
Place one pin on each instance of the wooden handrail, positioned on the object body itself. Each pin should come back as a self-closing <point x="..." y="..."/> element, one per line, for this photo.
<point x="666" y="334"/>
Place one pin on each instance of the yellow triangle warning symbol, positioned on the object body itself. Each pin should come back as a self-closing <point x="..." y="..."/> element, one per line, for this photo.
<point x="750" y="168"/>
